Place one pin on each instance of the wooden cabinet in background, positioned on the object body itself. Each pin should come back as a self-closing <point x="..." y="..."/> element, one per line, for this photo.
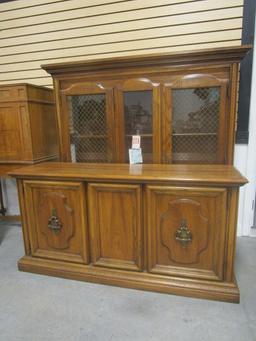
<point x="166" y="228"/>
<point x="28" y="131"/>
<point x="183" y="105"/>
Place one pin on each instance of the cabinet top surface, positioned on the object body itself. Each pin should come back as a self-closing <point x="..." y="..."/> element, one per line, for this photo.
<point x="7" y="85"/>
<point x="196" y="174"/>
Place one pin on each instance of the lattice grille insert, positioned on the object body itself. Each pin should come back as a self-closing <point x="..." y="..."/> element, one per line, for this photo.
<point x="88" y="128"/>
<point x="195" y="119"/>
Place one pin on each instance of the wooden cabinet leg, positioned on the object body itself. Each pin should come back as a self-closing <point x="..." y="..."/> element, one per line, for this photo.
<point x="2" y="208"/>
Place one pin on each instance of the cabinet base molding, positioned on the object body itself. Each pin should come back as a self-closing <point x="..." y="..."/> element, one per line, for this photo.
<point x="221" y="291"/>
<point x="12" y="218"/>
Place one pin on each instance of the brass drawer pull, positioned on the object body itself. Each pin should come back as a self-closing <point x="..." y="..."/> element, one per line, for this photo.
<point x="54" y="222"/>
<point x="183" y="234"/>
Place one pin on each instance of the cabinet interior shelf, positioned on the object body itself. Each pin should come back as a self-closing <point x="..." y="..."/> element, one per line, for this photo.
<point x="89" y="136"/>
<point x="194" y="134"/>
<point x="142" y="135"/>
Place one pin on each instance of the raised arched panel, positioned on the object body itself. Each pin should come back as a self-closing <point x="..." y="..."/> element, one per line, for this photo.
<point x="139" y="83"/>
<point x="185" y="228"/>
<point x="79" y="88"/>
<point x="195" y="79"/>
<point x="184" y="231"/>
<point x="57" y="222"/>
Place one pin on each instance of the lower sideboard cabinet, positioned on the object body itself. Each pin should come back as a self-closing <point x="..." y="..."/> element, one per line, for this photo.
<point x="167" y="232"/>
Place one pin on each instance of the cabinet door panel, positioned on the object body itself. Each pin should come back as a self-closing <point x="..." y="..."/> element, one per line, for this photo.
<point x="194" y="119"/>
<point x="88" y="123"/>
<point x="186" y="231"/>
<point x="10" y="137"/>
<point x="138" y="113"/>
<point x="57" y="223"/>
<point x="115" y="225"/>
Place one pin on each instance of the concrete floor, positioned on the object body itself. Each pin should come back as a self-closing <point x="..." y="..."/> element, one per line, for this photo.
<point x="41" y="308"/>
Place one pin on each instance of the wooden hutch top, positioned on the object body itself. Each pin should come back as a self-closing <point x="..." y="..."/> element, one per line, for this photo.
<point x="101" y="103"/>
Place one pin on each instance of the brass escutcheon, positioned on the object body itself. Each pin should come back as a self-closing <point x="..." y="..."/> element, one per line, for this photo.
<point x="183" y="234"/>
<point x="54" y="222"/>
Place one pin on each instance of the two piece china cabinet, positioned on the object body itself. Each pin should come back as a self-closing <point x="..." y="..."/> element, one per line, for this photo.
<point x="167" y="225"/>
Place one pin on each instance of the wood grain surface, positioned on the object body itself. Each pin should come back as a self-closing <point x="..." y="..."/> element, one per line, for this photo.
<point x="197" y="174"/>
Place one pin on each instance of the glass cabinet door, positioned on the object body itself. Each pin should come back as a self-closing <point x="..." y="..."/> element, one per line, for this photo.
<point x="89" y="124"/>
<point x="195" y="120"/>
<point x="138" y="121"/>
<point x="138" y="112"/>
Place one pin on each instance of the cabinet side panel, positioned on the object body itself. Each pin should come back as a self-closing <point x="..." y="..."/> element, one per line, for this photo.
<point x="233" y="196"/>
<point x="39" y="94"/>
<point x="232" y="112"/>
<point x="23" y="212"/>
<point x="25" y="131"/>
<point x="43" y="130"/>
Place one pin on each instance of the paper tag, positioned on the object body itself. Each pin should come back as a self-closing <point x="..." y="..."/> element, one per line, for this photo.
<point x="135" y="169"/>
<point x="73" y="152"/>
<point x="135" y="156"/>
<point x="136" y="142"/>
